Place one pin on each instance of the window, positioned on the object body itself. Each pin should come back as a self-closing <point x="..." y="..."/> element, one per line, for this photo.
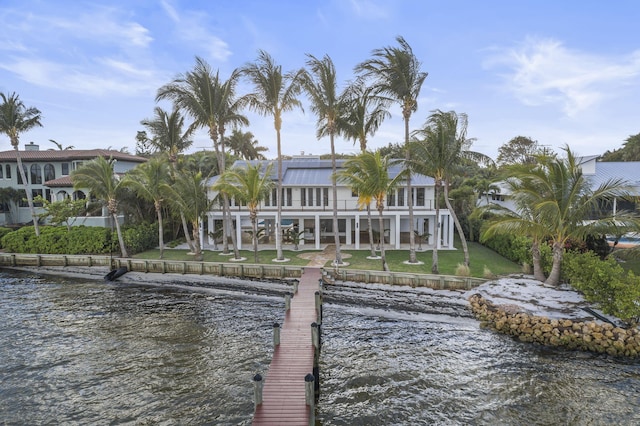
<point x="391" y="199"/>
<point x="303" y="197"/>
<point x="49" y="172"/>
<point x="318" y="196"/>
<point x="274" y="197"/>
<point x="47" y="194"/>
<point x="420" y="196"/>
<point x="8" y="170"/>
<point x="0" y="172"/>
<point x="288" y="198"/>
<point x="325" y="196"/>
<point x="79" y="195"/>
<point x="20" y="174"/>
<point x="400" y="197"/>
<point x="310" y="192"/>
<point x="36" y="174"/>
<point x="65" y="169"/>
<point x="36" y="193"/>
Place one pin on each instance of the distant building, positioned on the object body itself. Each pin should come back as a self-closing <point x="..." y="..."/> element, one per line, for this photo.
<point x="48" y="174"/>
<point x="307" y="206"/>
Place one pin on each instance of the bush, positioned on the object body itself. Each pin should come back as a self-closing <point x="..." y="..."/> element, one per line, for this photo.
<point x="518" y="250"/>
<point x="605" y="283"/>
<point x="3" y="232"/>
<point x="140" y="237"/>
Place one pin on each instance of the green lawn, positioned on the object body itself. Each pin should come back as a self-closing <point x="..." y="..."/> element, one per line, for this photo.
<point x="447" y="259"/>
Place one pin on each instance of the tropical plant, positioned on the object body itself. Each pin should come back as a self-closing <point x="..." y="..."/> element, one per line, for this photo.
<point x="250" y="185"/>
<point x="321" y="86"/>
<point x="368" y="174"/>
<point x="364" y="113"/>
<point x="244" y="145"/>
<point x="60" y="146"/>
<point x="188" y="193"/>
<point x="147" y="181"/>
<point x="61" y="211"/>
<point x="395" y="73"/>
<point x="559" y="199"/>
<point x="16" y="118"/>
<point x="274" y="93"/>
<point x="168" y="137"/>
<point x="213" y="105"/>
<point x="440" y="147"/>
<point x="99" y="178"/>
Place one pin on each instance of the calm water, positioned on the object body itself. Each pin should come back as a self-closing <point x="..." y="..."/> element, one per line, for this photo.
<point x="88" y="352"/>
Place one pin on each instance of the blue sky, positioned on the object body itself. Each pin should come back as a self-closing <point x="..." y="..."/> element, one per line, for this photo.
<point x="560" y="72"/>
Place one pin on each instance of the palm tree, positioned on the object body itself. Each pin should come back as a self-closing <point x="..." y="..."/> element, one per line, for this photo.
<point x="363" y="115"/>
<point x="146" y="181"/>
<point x="60" y="146"/>
<point x="251" y="185"/>
<point x="168" y="137"/>
<point x="368" y="175"/>
<point x="213" y="105"/>
<point x="443" y="148"/>
<point x="245" y="146"/>
<point x="321" y="87"/>
<point x="395" y="73"/>
<point x="99" y="178"/>
<point x="188" y="193"/>
<point x="16" y="118"/>
<point x="559" y="199"/>
<point x="274" y="94"/>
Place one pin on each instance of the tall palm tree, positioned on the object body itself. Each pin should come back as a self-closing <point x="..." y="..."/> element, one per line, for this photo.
<point x="99" y="178"/>
<point x="364" y="113"/>
<point x="395" y="73"/>
<point x="168" y="137"/>
<point x="147" y="181"/>
<point x="212" y="104"/>
<point x="321" y="86"/>
<point x="245" y="146"/>
<point x="560" y="200"/>
<point x="16" y="118"/>
<point x="442" y="149"/>
<point x="274" y="93"/>
<point x="188" y="193"/>
<point x="368" y="174"/>
<point x="251" y="185"/>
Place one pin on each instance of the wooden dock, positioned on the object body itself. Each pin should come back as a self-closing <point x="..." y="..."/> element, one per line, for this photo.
<point x="284" y="401"/>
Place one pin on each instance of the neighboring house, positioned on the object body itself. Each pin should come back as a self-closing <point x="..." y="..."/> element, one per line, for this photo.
<point x="307" y="206"/>
<point x="597" y="172"/>
<point x="48" y="174"/>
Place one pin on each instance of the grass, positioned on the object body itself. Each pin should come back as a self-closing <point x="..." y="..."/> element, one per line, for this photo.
<point x="448" y="260"/>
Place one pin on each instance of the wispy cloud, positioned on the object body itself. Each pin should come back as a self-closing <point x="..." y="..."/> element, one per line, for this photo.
<point x="546" y="72"/>
<point x="193" y="28"/>
<point x="368" y="9"/>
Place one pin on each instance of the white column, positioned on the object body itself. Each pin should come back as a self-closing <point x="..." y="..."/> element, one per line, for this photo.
<point x="357" y="220"/>
<point x="347" y="229"/>
<point x="317" y="232"/>
<point x="397" y="230"/>
<point x="238" y="231"/>
<point x="451" y="231"/>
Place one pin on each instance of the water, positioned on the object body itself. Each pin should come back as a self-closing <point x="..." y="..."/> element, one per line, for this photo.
<point x="83" y="352"/>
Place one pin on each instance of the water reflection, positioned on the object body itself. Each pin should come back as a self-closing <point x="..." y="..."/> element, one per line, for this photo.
<point x="76" y="352"/>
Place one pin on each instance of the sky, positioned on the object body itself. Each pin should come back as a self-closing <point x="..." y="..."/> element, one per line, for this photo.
<point x="564" y="73"/>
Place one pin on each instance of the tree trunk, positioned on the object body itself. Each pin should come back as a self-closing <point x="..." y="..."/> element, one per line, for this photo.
<point x="279" y="254"/>
<point x="373" y="244"/>
<point x="336" y="230"/>
<point x="187" y="235"/>
<point x="538" y="272"/>
<point x="453" y="214"/>
<point x="123" y="249"/>
<point x="412" y="237"/>
<point x="196" y="241"/>
<point x="554" y="275"/>
<point x="160" y="230"/>
<point x="236" y="252"/>
<point x="27" y="190"/>
<point x="254" y="228"/>
<point x="436" y="231"/>
<point x="383" y="256"/>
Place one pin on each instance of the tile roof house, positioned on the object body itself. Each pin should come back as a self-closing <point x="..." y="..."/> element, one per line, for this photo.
<point x="308" y="206"/>
<point x="48" y="174"/>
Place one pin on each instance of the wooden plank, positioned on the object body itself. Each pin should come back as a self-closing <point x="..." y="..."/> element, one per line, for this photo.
<point x="283" y="400"/>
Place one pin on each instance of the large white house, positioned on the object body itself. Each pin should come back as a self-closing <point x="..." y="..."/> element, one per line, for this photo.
<point x="48" y="174"/>
<point x="308" y="206"/>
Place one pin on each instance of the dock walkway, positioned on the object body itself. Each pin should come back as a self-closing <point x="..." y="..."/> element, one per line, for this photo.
<point x="284" y="401"/>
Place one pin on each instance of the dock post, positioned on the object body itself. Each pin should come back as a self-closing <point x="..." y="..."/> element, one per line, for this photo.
<point x="287" y="302"/>
<point x="314" y="335"/>
<point x="258" y="384"/>
<point x="276" y="334"/>
<point x="319" y="306"/>
<point x="295" y="286"/>
<point x="309" y="394"/>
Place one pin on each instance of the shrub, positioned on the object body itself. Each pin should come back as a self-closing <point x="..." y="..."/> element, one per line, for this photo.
<point x="57" y="240"/>
<point x="3" y="232"/>
<point x="605" y="283"/>
<point x="463" y="270"/>
<point x="139" y="238"/>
